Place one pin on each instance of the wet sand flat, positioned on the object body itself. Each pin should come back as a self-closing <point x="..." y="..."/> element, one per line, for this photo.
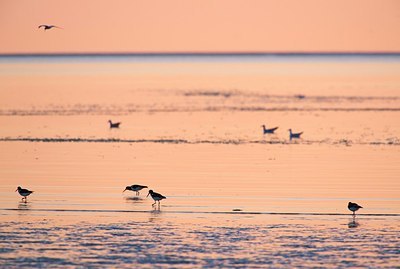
<point x="191" y="130"/>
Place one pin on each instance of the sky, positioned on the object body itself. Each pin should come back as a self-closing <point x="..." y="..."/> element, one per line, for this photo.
<point x="200" y="26"/>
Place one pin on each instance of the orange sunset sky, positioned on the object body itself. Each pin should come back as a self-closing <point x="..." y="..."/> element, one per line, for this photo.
<point x="200" y="26"/>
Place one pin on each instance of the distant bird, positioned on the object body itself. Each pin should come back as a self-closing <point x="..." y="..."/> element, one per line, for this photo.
<point x="23" y="192"/>
<point x="294" y="135"/>
<point x="156" y="197"/>
<point x="48" y="27"/>
<point x="268" y="131"/>
<point x="135" y="188"/>
<point x="353" y="207"/>
<point x="114" y="125"/>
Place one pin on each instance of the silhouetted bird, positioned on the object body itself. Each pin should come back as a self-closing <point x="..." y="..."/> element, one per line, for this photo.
<point x="135" y="188"/>
<point x="156" y="197"/>
<point x="268" y="131"/>
<point x="114" y="125"/>
<point x="48" y="27"/>
<point x="23" y="192"/>
<point x="294" y="135"/>
<point x="353" y="207"/>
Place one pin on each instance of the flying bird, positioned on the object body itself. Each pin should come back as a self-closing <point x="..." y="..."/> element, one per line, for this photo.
<point x="48" y="27"/>
<point x="268" y="131"/>
<point x="23" y="192"/>
<point x="135" y="188"/>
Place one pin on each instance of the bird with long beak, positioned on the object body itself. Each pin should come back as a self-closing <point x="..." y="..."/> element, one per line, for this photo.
<point x="156" y="197"/>
<point x="135" y="188"/>
<point x="23" y="192"/>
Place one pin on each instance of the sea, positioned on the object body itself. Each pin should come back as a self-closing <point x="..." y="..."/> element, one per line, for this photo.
<point x="191" y="130"/>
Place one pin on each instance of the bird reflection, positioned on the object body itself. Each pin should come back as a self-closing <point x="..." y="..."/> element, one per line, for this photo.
<point x="23" y="205"/>
<point x="134" y="200"/>
<point x="155" y="215"/>
<point x="353" y="223"/>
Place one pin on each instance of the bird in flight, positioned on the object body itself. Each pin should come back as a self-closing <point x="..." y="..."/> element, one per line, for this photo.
<point x="48" y="27"/>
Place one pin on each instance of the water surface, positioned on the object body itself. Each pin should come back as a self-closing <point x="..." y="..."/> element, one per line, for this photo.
<point x="191" y="130"/>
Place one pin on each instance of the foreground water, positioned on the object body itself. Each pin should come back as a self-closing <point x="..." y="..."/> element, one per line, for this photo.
<point x="164" y="240"/>
<point x="191" y="130"/>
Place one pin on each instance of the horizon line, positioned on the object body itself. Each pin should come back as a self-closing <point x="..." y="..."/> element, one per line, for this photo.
<point x="208" y="53"/>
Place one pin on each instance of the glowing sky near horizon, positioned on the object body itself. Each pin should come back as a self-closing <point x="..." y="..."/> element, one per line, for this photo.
<point x="206" y="25"/>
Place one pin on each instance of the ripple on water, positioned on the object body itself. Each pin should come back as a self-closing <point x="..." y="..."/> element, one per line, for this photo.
<point x="167" y="244"/>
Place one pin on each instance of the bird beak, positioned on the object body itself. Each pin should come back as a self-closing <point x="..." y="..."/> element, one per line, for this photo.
<point x="16" y="189"/>
<point x="148" y="194"/>
<point x="124" y="190"/>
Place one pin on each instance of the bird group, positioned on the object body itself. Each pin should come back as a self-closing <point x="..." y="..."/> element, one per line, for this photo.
<point x="158" y="197"/>
<point x="265" y="130"/>
<point x="136" y="188"/>
<point x="272" y="131"/>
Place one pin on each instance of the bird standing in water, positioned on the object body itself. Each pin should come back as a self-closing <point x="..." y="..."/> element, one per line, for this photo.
<point x="353" y="207"/>
<point x="135" y="188"/>
<point x="156" y="197"/>
<point x="23" y="192"/>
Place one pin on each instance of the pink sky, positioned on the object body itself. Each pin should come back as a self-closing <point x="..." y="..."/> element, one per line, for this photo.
<point x="200" y="25"/>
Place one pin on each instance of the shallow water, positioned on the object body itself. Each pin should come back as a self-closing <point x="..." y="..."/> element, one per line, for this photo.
<point x="164" y="240"/>
<point x="191" y="130"/>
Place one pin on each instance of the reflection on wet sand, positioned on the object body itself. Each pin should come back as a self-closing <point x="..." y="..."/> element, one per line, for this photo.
<point x="155" y="215"/>
<point x="353" y="223"/>
<point x="23" y="205"/>
<point x="134" y="200"/>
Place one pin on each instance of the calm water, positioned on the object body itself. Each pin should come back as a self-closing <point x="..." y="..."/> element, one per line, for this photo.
<point x="191" y="130"/>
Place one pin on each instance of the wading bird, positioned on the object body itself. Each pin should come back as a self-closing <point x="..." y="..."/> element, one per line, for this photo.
<point x="156" y="197"/>
<point x="135" y="188"/>
<point x="353" y="207"/>
<point x="23" y="192"/>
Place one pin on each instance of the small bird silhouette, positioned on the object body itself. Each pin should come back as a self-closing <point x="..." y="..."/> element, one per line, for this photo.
<point x="23" y="192"/>
<point x="156" y="197"/>
<point x="268" y="131"/>
<point x="114" y="125"/>
<point x="135" y="188"/>
<point x="48" y="27"/>
<point x="353" y="207"/>
<point x="294" y="135"/>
